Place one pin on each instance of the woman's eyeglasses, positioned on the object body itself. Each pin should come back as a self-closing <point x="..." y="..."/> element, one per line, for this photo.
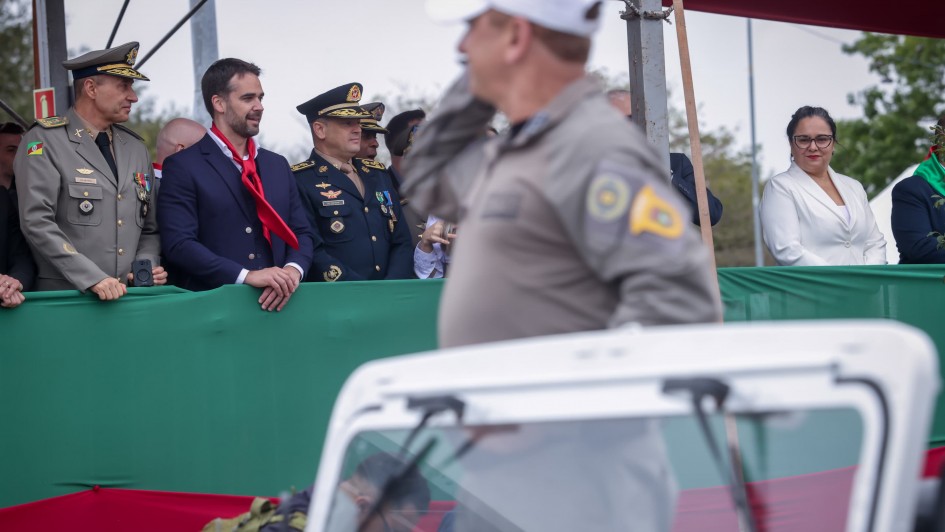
<point x="821" y="141"/>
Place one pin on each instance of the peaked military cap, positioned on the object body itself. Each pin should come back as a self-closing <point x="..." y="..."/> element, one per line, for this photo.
<point x="117" y="61"/>
<point x="373" y="124"/>
<point x="400" y="124"/>
<point x="340" y="102"/>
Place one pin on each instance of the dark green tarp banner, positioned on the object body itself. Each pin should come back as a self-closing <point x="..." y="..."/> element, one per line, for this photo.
<point x="204" y="392"/>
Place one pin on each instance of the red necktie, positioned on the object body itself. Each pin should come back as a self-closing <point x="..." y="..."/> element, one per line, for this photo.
<point x="270" y="219"/>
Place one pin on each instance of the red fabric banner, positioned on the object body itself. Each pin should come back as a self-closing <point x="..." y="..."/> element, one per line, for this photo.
<point x="910" y="17"/>
<point x="808" y="503"/>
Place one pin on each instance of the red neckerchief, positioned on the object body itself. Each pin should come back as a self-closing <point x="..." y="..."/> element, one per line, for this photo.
<point x="271" y="221"/>
<point x="931" y="152"/>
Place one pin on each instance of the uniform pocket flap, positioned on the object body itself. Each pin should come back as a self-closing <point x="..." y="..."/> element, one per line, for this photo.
<point x="85" y="192"/>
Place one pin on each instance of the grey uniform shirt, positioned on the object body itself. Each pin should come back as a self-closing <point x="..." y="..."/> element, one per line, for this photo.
<point x="570" y="225"/>
<point x="60" y="167"/>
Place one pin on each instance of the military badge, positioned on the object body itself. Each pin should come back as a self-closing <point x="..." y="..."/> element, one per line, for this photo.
<point x="379" y="196"/>
<point x="652" y="214"/>
<point x="354" y="94"/>
<point x="86" y="180"/>
<point x="34" y="148"/>
<point x="132" y="56"/>
<point x="78" y="133"/>
<point x="142" y="186"/>
<point x="333" y="274"/>
<point x="331" y="194"/>
<point x="69" y="248"/>
<point x="608" y="197"/>
<point x="383" y="208"/>
<point x="337" y="226"/>
<point x="84" y="171"/>
<point x="333" y="203"/>
<point x="86" y="207"/>
<point x="322" y="184"/>
<point x="322" y="169"/>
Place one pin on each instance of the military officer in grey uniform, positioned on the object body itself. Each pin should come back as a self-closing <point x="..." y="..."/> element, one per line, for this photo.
<point x="85" y="183"/>
<point x="351" y="202"/>
<point x="566" y="223"/>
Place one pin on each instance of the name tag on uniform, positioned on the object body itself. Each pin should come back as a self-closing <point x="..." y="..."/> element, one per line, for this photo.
<point x="333" y="203"/>
<point x="86" y="180"/>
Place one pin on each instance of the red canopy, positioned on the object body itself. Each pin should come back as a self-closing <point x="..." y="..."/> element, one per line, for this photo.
<point x="924" y="18"/>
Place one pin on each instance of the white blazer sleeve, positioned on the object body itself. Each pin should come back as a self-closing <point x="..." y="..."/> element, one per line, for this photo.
<point x="781" y="227"/>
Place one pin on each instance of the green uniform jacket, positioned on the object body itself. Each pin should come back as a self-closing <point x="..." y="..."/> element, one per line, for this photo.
<point x="58" y="169"/>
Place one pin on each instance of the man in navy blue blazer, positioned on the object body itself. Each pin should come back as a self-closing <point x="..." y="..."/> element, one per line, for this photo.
<point x="229" y="212"/>
<point x="684" y="176"/>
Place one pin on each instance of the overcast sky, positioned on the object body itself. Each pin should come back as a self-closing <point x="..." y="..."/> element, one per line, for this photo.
<point x="308" y="46"/>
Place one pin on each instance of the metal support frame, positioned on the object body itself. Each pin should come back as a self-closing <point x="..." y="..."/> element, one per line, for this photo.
<point x="49" y="50"/>
<point x="648" y="71"/>
<point x="203" y="38"/>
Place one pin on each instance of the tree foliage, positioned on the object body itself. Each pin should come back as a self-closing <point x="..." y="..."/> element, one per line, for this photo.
<point x="16" y="61"/>
<point x="897" y="113"/>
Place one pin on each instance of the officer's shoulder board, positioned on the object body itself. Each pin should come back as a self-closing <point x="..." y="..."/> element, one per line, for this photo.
<point x="51" y="122"/>
<point x="132" y="133"/>
<point x="370" y="163"/>
<point x="302" y="166"/>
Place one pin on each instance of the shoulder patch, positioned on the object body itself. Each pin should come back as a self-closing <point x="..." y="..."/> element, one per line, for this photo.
<point x="302" y="166"/>
<point x="130" y="132"/>
<point x="370" y="163"/>
<point x="53" y="121"/>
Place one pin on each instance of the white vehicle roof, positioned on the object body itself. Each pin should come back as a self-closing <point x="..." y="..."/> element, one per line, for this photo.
<point x="884" y="370"/>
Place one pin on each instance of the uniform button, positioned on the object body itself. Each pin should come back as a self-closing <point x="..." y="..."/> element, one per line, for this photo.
<point x="121" y="251"/>
<point x="120" y="223"/>
<point x="336" y="213"/>
<point x="373" y="238"/>
<point x="119" y="197"/>
<point x="252" y="256"/>
<point x="86" y="194"/>
<point x="846" y="244"/>
<point x="249" y="230"/>
<point x="365" y="209"/>
<point x="378" y="268"/>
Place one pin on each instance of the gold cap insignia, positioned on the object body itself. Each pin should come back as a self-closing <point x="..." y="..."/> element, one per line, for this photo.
<point x="132" y="56"/>
<point x="354" y="94"/>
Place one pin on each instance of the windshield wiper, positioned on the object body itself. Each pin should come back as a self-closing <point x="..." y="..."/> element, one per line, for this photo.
<point x="699" y="388"/>
<point x="430" y="407"/>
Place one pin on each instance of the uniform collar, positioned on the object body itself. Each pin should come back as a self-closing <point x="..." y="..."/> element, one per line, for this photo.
<point x="331" y="160"/>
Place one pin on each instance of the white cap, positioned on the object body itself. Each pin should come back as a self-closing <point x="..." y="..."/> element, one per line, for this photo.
<point x="567" y="16"/>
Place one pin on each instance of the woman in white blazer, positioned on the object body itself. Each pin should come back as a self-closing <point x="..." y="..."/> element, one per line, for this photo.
<point x="811" y="215"/>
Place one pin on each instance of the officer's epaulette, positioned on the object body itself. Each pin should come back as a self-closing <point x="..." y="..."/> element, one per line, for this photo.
<point x="52" y="121"/>
<point x="133" y="134"/>
<point x="302" y="166"/>
<point x="370" y="163"/>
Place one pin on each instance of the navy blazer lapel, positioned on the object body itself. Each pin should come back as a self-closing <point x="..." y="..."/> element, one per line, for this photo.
<point x="227" y="172"/>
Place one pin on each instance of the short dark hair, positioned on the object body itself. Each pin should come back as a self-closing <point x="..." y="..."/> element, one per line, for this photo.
<point x="11" y="128"/>
<point x="379" y="468"/>
<point x="806" y="112"/>
<point x="216" y="80"/>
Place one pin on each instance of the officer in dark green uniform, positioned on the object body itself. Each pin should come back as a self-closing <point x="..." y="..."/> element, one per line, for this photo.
<point x="351" y="203"/>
